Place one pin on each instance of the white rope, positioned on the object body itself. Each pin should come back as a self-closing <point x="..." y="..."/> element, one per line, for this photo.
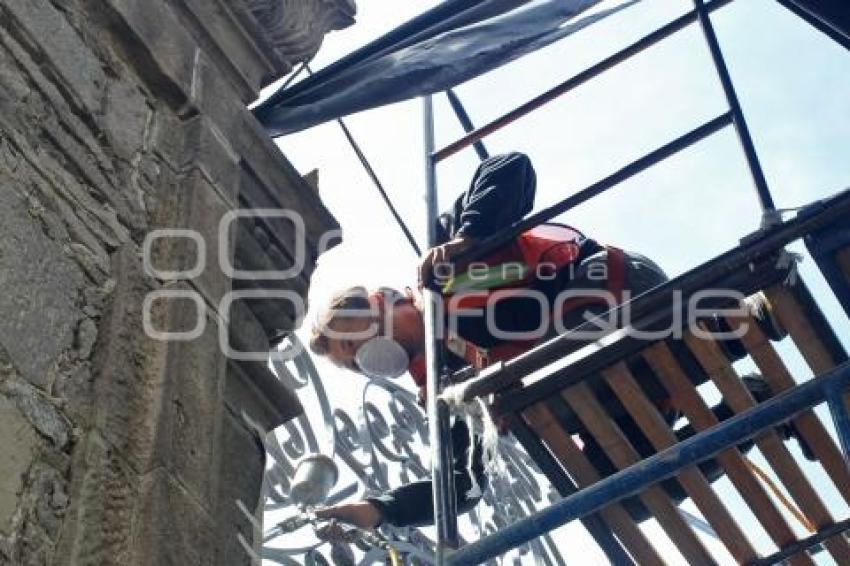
<point x="453" y="396"/>
<point x="790" y="260"/>
<point x="791" y="209"/>
<point x="475" y="490"/>
<point x="477" y="417"/>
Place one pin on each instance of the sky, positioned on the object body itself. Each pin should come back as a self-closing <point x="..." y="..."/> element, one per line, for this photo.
<point x="794" y="88"/>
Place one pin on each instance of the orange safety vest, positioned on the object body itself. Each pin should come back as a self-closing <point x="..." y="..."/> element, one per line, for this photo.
<point x="539" y="252"/>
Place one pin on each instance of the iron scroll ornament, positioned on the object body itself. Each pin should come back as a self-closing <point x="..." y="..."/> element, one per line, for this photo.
<point x="380" y="447"/>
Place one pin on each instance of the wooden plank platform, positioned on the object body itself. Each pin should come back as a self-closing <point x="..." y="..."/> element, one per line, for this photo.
<point x="623" y="404"/>
<point x="570" y="456"/>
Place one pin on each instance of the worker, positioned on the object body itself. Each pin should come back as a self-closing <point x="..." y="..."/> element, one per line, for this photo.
<point x="381" y="334"/>
<point x="496" y="308"/>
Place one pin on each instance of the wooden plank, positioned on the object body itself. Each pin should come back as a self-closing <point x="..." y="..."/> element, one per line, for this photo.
<point x="620" y="379"/>
<point x="808" y="424"/>
<point x="616" y="446"/>
<point x="792" y="317"/>
<point x="595" y="525"/>
<point x="688" y="400"/>
<point x="544" y="424"/>
<point x="739" y="399"/>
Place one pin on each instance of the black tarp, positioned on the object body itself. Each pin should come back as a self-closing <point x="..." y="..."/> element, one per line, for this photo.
<point x="444" y="47"/>
<point x="832" y="17"/>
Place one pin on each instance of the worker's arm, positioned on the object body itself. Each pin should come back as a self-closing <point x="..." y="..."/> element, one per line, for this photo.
<point x="361" y="514"/>
<point x="442" y="254"/>
<point x="413" y="504"/>
<point x="501" y="193"/>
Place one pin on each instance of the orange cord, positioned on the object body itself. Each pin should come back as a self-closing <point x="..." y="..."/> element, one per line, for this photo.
<point x="762" y="475"/>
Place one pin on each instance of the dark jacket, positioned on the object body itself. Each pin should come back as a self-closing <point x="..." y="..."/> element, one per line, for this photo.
<point x="501" y="193"/>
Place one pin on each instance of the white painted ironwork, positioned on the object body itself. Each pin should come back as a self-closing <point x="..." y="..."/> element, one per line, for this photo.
<point x="382" y="445"/>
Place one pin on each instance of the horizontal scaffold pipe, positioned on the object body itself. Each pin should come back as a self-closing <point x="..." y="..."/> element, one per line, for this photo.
<point x="638" y="46"/>
<point x="638" y="477"/>
<point x="803" y="544"/>
<point x="499" y="239"/>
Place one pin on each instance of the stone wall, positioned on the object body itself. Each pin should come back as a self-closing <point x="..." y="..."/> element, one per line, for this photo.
<point x="117" y="118"/>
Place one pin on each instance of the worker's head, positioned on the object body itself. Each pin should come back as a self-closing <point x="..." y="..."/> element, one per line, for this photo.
<point x="375" y="333"/>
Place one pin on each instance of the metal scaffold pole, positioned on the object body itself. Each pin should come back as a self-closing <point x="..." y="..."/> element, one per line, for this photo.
<point x="445" y="512"/>
<point x="769" y="214"/>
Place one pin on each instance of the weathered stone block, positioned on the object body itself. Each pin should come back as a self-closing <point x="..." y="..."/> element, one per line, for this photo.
<point x="40" y="410"/>
<point x="158" y="401"/>
<point x="126" y="117"/>
<point x="258" y="249"/>
<point x="103" y="495"/>
<point x="213" y="95"/>
<point x="173" y="528"/>
<point x="168" y="137"/>
<point x="270" y="180"/>
<point x="277" y="314"/>
<point x="197" y="143"/>
<point x="40" y="286"/>
<point x="79" y="144"/>
<point x="19" y="442"/>
<point x="276" y="183"/>
<point x="129" y="367"/>
<point x="191" y="202"/>
<point x="36" y="523"/>
<point x="246" y="332"/>
<point x="273" y="310"/>
<point x="164" y="51"/>
<point x="254" y="193"/>
<point x="158" y="398"/>
<point x="231" y="47"/>
<point x="207" y="148"/>
<point x="241" y="466"/>
<point x="252" y="389"/>
<point x="191" y="407"/>
<point x="48" y="32"/>
<point x="75" y="387"/>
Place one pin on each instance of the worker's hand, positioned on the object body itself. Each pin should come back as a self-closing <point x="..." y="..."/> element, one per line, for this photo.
<point x="439" y="256"/>
<point x="332" y="531"/>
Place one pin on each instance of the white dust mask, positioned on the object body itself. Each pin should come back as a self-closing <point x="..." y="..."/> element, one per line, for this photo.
<point x="382" y="357"/>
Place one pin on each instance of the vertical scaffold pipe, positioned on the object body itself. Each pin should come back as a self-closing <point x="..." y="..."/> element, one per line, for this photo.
<point x="838" y="398"/>
<point x="445" y="513"/>
<point x="769" y="213"/>
<point x="466" y="123"/>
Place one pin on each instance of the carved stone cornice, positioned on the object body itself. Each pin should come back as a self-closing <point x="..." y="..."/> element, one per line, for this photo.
<point x="294" y="29"/>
